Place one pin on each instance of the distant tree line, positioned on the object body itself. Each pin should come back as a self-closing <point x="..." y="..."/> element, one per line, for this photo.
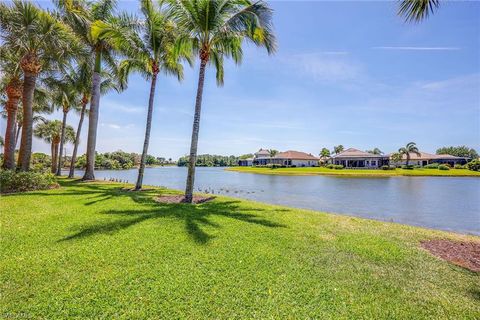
<point x="120" y="160"/>
<point x="460" y="151"/>
<point x="209" y="160"/>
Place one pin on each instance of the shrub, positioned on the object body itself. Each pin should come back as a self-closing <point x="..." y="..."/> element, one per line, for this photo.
<point x="459" y="166"/>
<point x="431" y="166"/>
<point x="474" y="165"/>
<point x="391" y="167"/>
<point x="11" y="181"/>
<point x="443" y="167"/>
<point x="338" y="167"/>
<point x="274" y="166"/>
<point x="409" y="167"/>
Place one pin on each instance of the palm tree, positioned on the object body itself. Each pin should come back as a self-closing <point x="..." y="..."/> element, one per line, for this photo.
<point x="87" y="19"/>
<point x="82" y="79"/>
<point x="44" y="43"/>
<point x="216" y="29"/>
<point x="12" y="86"/>
<point x="411" y="147"/>
<point x="150" y="50"/>
<point x="324" y="154"/>
<point x="376" y="151"/>
<point x="51" y="131"/>
<point x="417" y="10"/>
<point x="338" y="149"/>
<point x="64" y="97"/>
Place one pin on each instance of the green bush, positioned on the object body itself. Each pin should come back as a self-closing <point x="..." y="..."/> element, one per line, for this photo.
<point x="474" y="165"/>
<point x="443" y="167"/>
<point x="274" y="166"/>
<point x="459" y="166"/>
<point x="431" y="166"/>
<point x="330" y="166"/>
<point x="338" y="167"/>
<point x="391" y="167"/>
<point x="11" y="181"/>
<point x="409" y="167"/>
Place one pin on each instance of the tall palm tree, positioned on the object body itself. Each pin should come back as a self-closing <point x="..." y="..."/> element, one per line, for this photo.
<point x="12" y="86"/>
<point x="44" y="43"/>
<point x="83" y="82"/>
<point x="417" y="10"/>
<point x="411" y="147"/>
<point x="150" y="50"/>
<point x="86" y="18"/>
<point x="216" y="29"/>
<point x="50" y="132"/>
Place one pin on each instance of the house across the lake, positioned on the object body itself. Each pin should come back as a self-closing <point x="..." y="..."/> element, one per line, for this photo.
<point x="354" y="158"/>
<point x="424" y="158"/>
<point x="288" y="158"/>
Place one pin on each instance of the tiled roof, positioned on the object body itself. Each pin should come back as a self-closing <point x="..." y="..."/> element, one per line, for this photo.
<point x="428" y="156"/>
<point x="355" y="153"/>
<point x="295" y="155"/>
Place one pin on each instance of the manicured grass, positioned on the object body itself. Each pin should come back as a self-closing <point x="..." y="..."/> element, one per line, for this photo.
<point x="92" y="250"/>
<point x="358" y="172"/>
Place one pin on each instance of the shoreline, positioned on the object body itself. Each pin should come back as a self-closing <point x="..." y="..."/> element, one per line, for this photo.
<point x="367" y="173"/>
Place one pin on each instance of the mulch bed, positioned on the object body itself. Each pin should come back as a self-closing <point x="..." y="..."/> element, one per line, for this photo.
<point x="463" y="254"/>
<point x="181" y="199"/>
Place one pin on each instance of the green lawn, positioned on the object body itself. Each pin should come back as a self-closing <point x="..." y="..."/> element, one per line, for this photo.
<point x="359" y="172"/>
<point x="91" y="250"/>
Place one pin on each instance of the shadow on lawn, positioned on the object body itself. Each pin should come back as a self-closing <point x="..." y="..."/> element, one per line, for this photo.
<point x="194" y="216"/>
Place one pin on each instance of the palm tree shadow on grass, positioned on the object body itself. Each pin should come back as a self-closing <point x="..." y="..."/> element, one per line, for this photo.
<point x="193" y="216"/>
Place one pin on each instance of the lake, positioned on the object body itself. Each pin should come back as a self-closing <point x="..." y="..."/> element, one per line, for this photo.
<point x="446" y="203"/>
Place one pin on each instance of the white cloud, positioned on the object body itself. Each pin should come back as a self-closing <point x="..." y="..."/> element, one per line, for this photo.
<point x="121" y="107"/>
<point x="413" y="48"/>
<point x="325" y="66"/>
<point x="117" y="126"/>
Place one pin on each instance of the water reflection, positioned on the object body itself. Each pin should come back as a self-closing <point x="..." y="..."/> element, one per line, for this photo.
<point x="436" y="202"/>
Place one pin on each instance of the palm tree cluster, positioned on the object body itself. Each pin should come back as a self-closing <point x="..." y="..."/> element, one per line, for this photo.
<point x="67" y="58"/>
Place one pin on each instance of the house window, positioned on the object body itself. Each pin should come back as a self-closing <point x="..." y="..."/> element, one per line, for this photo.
<point x="374" y="163"/>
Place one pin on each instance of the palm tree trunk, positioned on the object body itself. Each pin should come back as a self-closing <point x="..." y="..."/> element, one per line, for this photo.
<point x="62" y="142"/>
<point x="141" y="169"/>
<point x="54" y="157"/>
<point x="408" y="158"/>
<point x="25" y="154"/>
<point x="9" y="149"/>
<point x="93" y="120"/>
<point x="17" y="135"/>
<point x="77" y="140"/>
<point x="196" y="128"/>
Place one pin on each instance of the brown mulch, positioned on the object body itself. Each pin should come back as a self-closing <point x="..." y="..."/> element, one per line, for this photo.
<point x="181" y="199"/>
<point x="463" y="254"/>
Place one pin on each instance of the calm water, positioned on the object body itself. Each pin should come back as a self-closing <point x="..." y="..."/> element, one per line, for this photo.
<point x="446" y="203"/>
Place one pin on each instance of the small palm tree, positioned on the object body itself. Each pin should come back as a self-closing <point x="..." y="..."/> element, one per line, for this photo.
<point x="150" y="50"/>
<point x="216" y="29"/>
<point x="272" y="152"/>
<point x="375" y="151"/>
<point x="411" y="147"/>
<point x="417" y="10"/>
<point x="50" y="132"/>
<point x="44" y="43"/>
<point x="338" y="149"/>
<point x="324" y="154"/>
<point x="66" y="98"/>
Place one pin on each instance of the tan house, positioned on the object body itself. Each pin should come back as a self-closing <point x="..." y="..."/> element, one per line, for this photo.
<point x="354" y="158"/>
<point x="288" y="158"/>
<point x="424" y="158"/>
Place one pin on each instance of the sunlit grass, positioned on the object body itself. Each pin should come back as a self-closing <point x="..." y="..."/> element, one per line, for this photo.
<point x="92" y="250"/>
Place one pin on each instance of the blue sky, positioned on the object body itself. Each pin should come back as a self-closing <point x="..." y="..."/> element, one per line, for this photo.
<point x="350" y="73"/>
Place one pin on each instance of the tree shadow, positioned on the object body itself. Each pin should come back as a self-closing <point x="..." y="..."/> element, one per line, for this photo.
<point x="194" y="217"/>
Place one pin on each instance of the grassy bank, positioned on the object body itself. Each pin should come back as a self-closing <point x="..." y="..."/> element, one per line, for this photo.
<point x="359" y="172"/>
<point x="91" y="250"/>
